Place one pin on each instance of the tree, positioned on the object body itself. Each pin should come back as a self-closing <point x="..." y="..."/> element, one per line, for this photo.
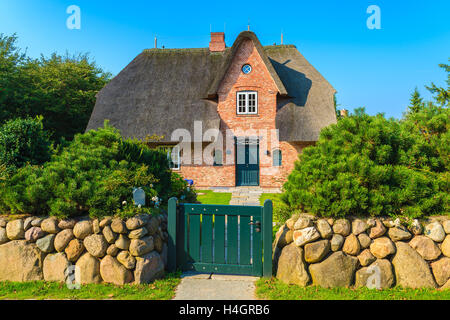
<point x="416" y="102"/>
<point x="23" y="141"/>
<point x="60" y="88"/>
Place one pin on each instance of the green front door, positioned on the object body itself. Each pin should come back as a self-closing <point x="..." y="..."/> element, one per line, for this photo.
<point x="247" y="162"/>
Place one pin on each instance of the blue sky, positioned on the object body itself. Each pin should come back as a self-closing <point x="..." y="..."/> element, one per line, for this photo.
<point x="377" y="69"/>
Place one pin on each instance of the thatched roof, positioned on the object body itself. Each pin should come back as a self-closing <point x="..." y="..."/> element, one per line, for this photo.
<point x="165" y="89"/>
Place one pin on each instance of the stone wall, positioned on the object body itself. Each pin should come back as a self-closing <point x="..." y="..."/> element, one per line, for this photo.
<point x="373" y="253"/>
<point x="110" y="250"/>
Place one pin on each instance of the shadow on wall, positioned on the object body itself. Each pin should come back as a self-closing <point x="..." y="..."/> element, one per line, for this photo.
<point x="294" y="81"/>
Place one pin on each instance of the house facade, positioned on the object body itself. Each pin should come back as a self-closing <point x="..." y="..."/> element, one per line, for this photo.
<point x="236" y="116"/>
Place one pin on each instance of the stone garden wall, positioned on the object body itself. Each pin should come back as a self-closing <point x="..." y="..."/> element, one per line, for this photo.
<point x="109" y="250"/>
<point x="378" y="253"/>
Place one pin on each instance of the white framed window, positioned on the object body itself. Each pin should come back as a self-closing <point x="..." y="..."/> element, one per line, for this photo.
<point x="247" y="102"/>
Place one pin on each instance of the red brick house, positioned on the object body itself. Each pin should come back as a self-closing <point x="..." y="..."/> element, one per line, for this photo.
<point x="244" y="113"/>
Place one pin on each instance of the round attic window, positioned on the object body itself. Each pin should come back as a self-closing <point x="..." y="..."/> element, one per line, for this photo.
<point x="246" y="68"/>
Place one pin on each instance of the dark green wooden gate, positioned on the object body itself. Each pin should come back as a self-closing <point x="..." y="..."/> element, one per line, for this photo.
<point x="247" y="162"/>
<point x="220" y="238"/>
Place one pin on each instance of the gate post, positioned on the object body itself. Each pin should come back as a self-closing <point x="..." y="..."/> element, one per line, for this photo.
<point x="267" y="238"/>
<point x="172" y="231"/>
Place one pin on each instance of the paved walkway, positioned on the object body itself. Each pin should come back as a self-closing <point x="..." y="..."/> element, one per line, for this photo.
<point x="202" y="286"/>
<point x="248" y="196"/>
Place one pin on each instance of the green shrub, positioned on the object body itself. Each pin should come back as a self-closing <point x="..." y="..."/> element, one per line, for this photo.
<point x="93" y="174"/>
<point x="369" y="165"/>
<point x="23" y="141"/>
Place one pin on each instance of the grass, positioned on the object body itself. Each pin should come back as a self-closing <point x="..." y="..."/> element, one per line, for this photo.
<point x="211" y="197"/>
<point x="163" y="289"/>
<point x="273" y="289"/>
<point x="275" y="197"/>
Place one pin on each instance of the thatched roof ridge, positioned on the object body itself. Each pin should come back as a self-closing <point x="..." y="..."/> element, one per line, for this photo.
<point x="165" y="89"/>
<point x="245" y="35"/>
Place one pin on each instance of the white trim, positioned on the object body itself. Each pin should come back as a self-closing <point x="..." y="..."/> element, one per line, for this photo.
<point x="243" y="101"/>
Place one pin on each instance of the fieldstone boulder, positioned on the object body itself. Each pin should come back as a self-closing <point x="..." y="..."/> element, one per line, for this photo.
<point x="388" y="222"/>
<point x="302" y="223"/>
<point x="364" y="240"/>
<point x="67" y="224"/>
<point x="50" y="225"/>
<point x="27" y="223"/>
<point x="378" y="275"/>
<point x="152" y="226"/>
<point x="148" y="268"/>
<point x="314" y="252"/>
<point x="122" y="242"/>
<point x="112" y="271"/>
<point x="351" y="245"/>
<point x="415" y="227"/>
<point x="106" y="221"/>
<point x="96" y="245"/>
<point x="291" y="266"/>
<point x="337" y="270"/>
<point x="96" y="226"/>
<point x="398" y="234"/>
<point x="304" y="236"/>
<point x="342" y="227"/>
<point x="109" y="235"/>
<point x="33" y="234"/>
<point x="83" y="229"/>
<point x="55" y="266"/>
<point x="89" y="268"/>
<point x="446" y="226"/>
<point x="284" y="236"/>
<point x="36" y="222"/>
<point x="445" y="247"/>
<point x="411" y="270"/>
<point x="371" y="222"/>
<point x="74" y="249"/>
<point x="382" y="247"/>
<point x="336" y="242"/>
<point x="135" y="223"/>
<point x="3" y="222"/>
<point x="158" y="243"/>
<point x="441" y="270"/>
<point x="46" y="244"/>
<point x="366" y="257"/>
<point x="378" y="230"/>
<point x="3" y="236"/>
<point x="112" y="250"/>
<point x="138" y="233"/>
<point x="140" y="247"/>
<point x="425" y="247"/>
<point x="21" y="261"/>
<point x="126" y="259"/>
<point x="291" y="221"/>
<point x="62" y="239"/>
<point x="118" y="226"/>
<point x="435" y="231"/>
<point x="15" y="230"/>
<point x="324" y="228"/>
<point x="359" y="226"/>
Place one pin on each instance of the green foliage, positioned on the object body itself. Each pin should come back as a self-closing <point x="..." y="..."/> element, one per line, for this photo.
<point x="60" y="88"/>
<point x="93" y="174"/>
<point x="23" y="141"/>
<point x="369" y="165"/>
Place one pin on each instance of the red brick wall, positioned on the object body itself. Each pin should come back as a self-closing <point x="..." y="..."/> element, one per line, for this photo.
<point x="258" y="80"/>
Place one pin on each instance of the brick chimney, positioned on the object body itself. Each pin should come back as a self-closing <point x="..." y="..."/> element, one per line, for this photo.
<point x="217" y="43"/>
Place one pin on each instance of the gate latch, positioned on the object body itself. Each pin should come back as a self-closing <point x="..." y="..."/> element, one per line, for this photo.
<point x="257" y="224"/>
